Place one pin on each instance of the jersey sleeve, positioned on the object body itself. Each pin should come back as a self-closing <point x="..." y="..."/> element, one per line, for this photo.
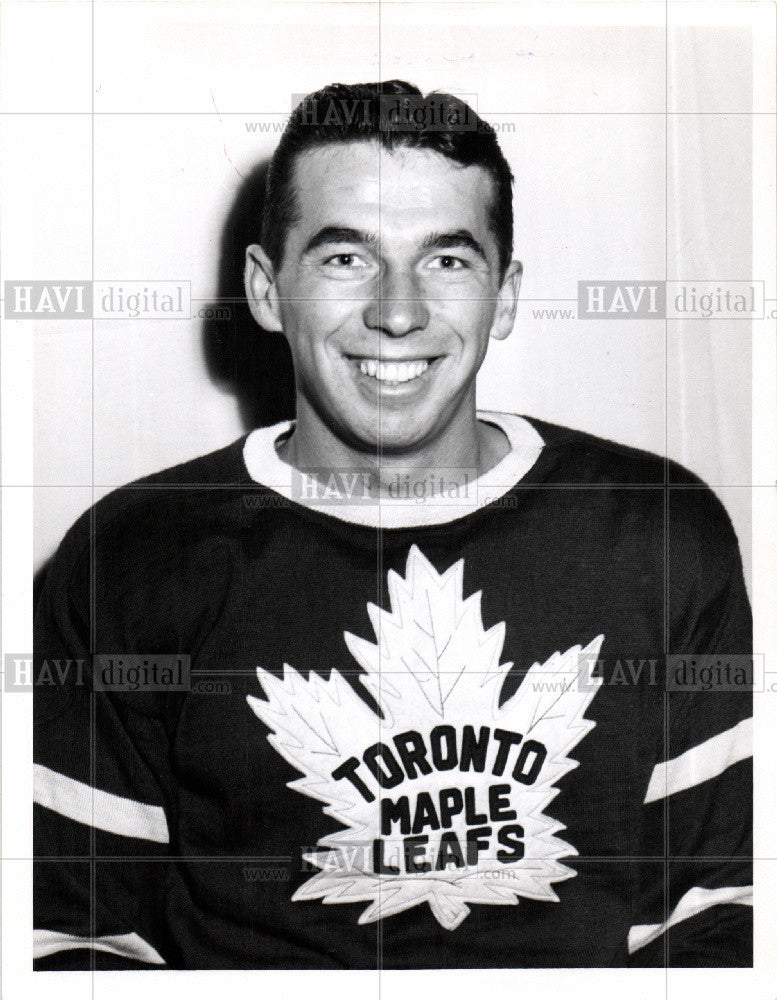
<point x="695" y="907"/>
<point x="101" y="812"/>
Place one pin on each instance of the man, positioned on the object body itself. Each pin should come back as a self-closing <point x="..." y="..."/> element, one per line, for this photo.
<point x="420" y="734"/>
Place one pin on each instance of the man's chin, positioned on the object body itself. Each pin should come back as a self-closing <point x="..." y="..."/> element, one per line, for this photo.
<point x="391" y="436"/>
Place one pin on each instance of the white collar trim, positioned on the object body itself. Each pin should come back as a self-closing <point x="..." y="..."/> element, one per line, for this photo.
<point x="265" y="467"/>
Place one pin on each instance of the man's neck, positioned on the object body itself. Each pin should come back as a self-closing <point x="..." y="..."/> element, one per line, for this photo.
<point x="468" y="443"/>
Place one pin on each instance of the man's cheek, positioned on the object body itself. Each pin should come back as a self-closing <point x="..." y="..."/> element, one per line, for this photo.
<point x="470" y="318"/>
<point x="306" y="320"/>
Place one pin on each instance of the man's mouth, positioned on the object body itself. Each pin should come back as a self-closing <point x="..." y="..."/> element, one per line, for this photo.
<point x="393" y="372"/>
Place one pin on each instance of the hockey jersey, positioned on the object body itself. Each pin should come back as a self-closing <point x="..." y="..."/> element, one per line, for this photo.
<point x="458" y="733"/>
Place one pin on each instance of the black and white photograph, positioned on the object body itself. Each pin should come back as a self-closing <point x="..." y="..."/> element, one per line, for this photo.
<point x="389" y="428"/>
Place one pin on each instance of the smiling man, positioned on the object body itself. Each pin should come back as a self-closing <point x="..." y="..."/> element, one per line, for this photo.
<point x="388" y="289"/>
<point x="450" y="699"/>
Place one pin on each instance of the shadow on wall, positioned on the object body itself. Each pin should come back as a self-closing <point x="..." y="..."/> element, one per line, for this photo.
<point x="253" y="363"/>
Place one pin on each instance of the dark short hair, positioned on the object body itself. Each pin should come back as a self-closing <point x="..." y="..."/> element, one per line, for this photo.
<point x="344" y="113"/>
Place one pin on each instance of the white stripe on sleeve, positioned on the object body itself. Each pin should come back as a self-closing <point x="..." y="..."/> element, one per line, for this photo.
<point x="695" y="901"/>
<point x="127" y="945"/>
<point x="702" y="762"/>
<point x="105" y="811"/>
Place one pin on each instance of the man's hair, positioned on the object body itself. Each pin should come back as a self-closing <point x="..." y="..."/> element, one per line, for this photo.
<point x="344" y="113"/>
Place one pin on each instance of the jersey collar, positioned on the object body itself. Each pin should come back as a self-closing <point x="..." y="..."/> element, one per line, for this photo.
<point x="265" y="467"/>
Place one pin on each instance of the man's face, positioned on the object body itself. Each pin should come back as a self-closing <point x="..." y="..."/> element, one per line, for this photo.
<point x="389" y="290"/>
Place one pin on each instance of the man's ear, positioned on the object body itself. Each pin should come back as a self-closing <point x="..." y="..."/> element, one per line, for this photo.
<point x="507" y="301"/>
<point x="261" y="289"/>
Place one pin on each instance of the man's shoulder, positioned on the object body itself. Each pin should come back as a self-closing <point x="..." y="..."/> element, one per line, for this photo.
<point x="662" y="496"/>
<point x="586" y="457"/>
<point x="194" y="480"/>
<point x="162" y="503"/>
<point x="224" y="466"/>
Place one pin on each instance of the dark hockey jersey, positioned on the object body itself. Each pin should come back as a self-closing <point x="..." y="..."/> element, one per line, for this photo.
<point x="468" y="733"/>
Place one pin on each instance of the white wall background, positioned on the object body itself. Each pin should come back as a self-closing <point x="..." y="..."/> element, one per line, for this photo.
<point x="608" y="186"/>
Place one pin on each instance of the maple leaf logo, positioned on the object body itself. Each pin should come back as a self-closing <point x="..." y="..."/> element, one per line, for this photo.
<point x="442" y="799"/>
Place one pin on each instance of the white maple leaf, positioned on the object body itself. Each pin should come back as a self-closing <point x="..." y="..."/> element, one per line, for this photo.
<point x="436" y="677"/>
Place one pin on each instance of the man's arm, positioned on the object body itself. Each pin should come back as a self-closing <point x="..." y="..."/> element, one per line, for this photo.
<point x="696" y="905"/>
<point x="100" y="815"/>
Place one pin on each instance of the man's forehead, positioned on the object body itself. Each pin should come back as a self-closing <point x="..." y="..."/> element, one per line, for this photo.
<point x="361" y="177"/>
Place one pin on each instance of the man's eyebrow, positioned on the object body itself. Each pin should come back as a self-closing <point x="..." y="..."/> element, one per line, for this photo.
<point x="453" y="240"/>
<point x="339" y="234"/>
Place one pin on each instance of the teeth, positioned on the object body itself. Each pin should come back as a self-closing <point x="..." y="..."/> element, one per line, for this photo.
<point x="393" y="371"/>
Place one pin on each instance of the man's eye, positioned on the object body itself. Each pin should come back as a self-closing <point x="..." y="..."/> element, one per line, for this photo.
<point x="446" y="262"/>
<point x="345" y="260"/>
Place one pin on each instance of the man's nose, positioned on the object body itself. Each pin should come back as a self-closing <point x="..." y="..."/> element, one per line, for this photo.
<point x="398" y="307"/>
